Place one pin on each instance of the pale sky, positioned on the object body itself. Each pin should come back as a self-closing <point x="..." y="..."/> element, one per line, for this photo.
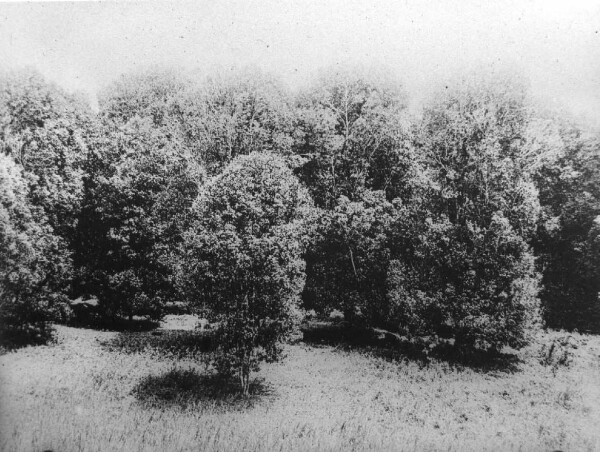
<point x="84" y="45"/>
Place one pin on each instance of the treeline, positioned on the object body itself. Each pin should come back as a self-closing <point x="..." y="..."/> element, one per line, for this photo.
<point x="473" y="220"/>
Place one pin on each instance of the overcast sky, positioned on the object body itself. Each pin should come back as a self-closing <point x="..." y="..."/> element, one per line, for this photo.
<point x="83" y="46"/>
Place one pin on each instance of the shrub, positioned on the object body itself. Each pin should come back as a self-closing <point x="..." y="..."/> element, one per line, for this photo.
<point x="242" y="260"/>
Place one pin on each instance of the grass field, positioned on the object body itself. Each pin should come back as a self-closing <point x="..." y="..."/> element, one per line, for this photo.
<point x="108" y="391"/>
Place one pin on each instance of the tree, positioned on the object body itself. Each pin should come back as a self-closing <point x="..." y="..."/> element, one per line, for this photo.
<point x="44" y="130"/>
<point x="566" y="240"/>
<point x="139" y="184"/>
<point x="138" y="192"/>
<point x="351" y="128"/>
<point x="152" y="93"/>
<point x="352" y="131"/>
<point x="242" y="261"/>
<point x="229" y="115"/>
<point x="348" y="259"/>
<point x="27" y="246"/>
<point x="463" y="265"/>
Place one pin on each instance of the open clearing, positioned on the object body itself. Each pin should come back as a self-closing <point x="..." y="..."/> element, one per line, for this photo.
<point x="108" y="391"/>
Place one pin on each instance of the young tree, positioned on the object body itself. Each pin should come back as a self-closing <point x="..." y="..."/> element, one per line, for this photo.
<point x="242" y="260"/>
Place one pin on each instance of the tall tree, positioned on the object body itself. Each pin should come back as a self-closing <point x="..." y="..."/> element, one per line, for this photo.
<point x="224" y="116"/>
<point x="44" y="130"/>
<point x="348" y="259"/>
<point x="27" y="248"/>
<point x="139" y="185"/>
<point x="138" y="194"/>
<point x="351" y="128"/>
<point x="463" y="264"/>
<point x="569" y="187"/>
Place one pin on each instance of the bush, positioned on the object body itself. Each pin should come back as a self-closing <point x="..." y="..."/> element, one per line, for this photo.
<point x="242" y="260"/>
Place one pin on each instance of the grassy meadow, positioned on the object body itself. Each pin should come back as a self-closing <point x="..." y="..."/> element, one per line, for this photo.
<point x="153" y="391"/>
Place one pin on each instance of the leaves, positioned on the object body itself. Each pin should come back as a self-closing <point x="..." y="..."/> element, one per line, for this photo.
<point x="242" y="261"/>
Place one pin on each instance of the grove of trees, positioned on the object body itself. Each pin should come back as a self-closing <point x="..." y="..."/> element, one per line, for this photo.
<point x="477" y="219"/>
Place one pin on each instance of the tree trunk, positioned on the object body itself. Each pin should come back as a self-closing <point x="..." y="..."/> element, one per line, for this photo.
<point x="245" y="379"/>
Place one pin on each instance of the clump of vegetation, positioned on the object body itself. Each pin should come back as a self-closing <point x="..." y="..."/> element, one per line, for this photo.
<point x="558" y="352"/>
<point x="349" y="257"/>
<point x="42" y="141"/>
<point x="138" y="189"/>
<point x="25" y="248"/>
<point x="463" y="266"/>
<point x="568" y="238"/>
<point x="427" y="226"/>
<point x="243" y="262"/>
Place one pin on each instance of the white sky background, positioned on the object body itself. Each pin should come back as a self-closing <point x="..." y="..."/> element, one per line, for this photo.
<point x="84" y="46"/>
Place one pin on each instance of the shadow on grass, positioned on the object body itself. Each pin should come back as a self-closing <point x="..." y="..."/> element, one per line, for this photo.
<point x="14" y="338"/>
<point x="366" y="340"/>
<point x="186" y="387"/>
<point x="177" y="344"/>
<point x="118" y="324"/>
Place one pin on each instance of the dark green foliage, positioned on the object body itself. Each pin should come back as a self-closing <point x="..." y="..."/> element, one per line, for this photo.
<point x="352" y="130"/>
<point x="350" y="127"/>
<point x="230" y="115"/>
<point x="139" y="185"/>
<point x="138" y="193"/>
<point x="348" y="258"/>
<point x="44" y="130"/>
<point x="26" y="245"/>
<point x="464" y="267"/>
<point x="242" y="260"/>
<point x="423" y="228"/>
<point x="567" y="239"/>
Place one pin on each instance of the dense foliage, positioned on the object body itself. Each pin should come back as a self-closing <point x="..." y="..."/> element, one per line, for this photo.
<point x="350" y="127"/>
<point x="348" y="258"/>
<point x="464" y="266"/>
<point x="243" y="259"/>
<point x="567" y="240"/>
<point x="138" y="193"/>
<point x="26" y="248"/>
<point x="44" y="130"/>
<point x="448" y="223"/>
<point x="237" y="114"/>
<point x="138" y="187"/>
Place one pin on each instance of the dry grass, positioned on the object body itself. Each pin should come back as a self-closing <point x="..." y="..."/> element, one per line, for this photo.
<point x="107" y="391"/>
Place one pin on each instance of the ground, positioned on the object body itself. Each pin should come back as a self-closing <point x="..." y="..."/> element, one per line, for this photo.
<point x="153" y="391"/>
